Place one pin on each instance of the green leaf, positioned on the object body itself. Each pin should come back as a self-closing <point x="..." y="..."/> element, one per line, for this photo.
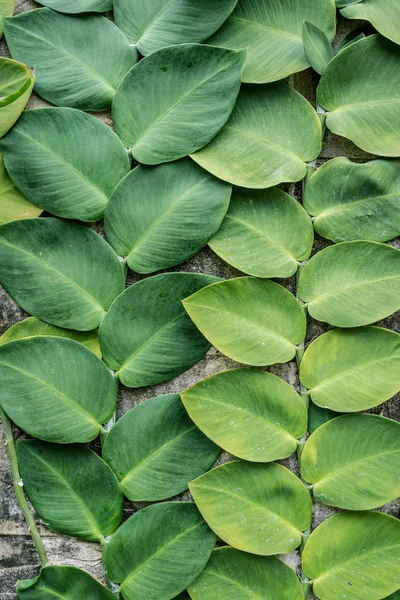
<point x="317" y="47"/>
<point x="354" y="555"/>
<point x="349" y="370"/>
<point x="383" y="14"/>
<point x="7" y="8"/>
<point x="272" y="32"/>
<point x="264" y="233"/>
<point x="154" y="25"/>
<point x="352" y="201"/>
<point x="233" y="574"/>
<point x="343" y="3"/>
<point x="175" y="101"/>
<point x="147" y="336"/>
<point x="353" y="462"/>
<point x="272" y="132"/>
<point x="253" y="321"/>
<point x="79" y="61"/>
<point x="71" y="6"/>
<point x="352" y="283"/>
<point x="360" y="89"/>
<point x="159" y="551"/>
<point x="258" y="508"/>
<point x="60" y="272"/>
<point x="317" y="416"/>
<point x="13" y="204"/>
<point x="72" y="490"/>
<point x="16" y="85"/>
<point x="68" y="583"/>
<point x="184" y="208"/>
<point x="252" y="414"/>
<point x="56" y="389"/>
<point x="355" y="35"/>
<point x="155" y="450"/>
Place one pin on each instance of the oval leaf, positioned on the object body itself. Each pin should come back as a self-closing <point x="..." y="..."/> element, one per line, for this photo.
<point x="383" y="14"/>
<point x="253" y="321"/>
<point x="16" y="85"/>
<point x="13" y="204"/>
<point x="184" y="208"/>
<point x="251" y="414"/>
<point x="71" y="6"/>
<point x="56" y="389"/>
<point x="317" y="47"/>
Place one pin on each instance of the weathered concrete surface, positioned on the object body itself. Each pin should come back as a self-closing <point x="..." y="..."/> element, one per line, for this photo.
<point x="18" y="558"/>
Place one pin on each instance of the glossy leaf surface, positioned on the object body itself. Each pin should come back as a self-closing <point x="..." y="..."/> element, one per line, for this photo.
<point x="16" y="84"/>
<point x="13" y="204"/>
<point x="68" y="583"/>
<point x="383" y="14"/>
<point x="317" y="47"/>
<point x="71" y="6"/>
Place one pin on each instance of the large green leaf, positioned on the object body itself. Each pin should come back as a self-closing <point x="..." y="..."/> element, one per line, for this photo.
<point x="65" y="161"/>
<point x="61" y="272"/>
<point x="154" y="25"/>
<point x="155" y="450"/>
<point x="251" y="414"/>
<point x="352" y="283"/>
<point x="383" y="14"/>
<point x="353" y="462"/>
<point x="71" y="488"/>
<point x="159" y="551"/>
<point x="175" y="101"/>
<point x="184" y="208"/>
<point x="68" y="583"/>
<point x="56" y="389"/>
<point x="272" y="32"/>
<point x="258" y="508"/>
<point x="265" y="233"/>
<point x="361" y="90"/>
<point x="348" y="370"/>
<point x="79" y="61"/>
<point x="13" y="204"/>
<point x="147" y="336"/>
<point x="354" y="555"/>
<point x="351" y="201"/>
<point x="72" y="6"/>
<point x="254" y="321"/>
<point x="234" y="575"/>
<point x="272" y="132"/>
<point x="16" y="84"/>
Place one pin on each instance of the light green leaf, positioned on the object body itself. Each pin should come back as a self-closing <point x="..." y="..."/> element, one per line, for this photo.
<point x="155" y="450"/>
<point x="354" y="555"/>
<point x="72" y="6"/>
<point x="317" y="47"/>
<point x="251" y="414"/>
<point x="159" y="551"/>
<point x="352" y="283"/>
<point x="154" y="25"/>
<point x="184" y="208"/>
<point x="253" y="321"/>
<point x="147" y="336"/>
<point x="258" y="508"/>
<point x="352" y="201"/>
<point x="343" y="3"/>
<point x="264" y="233"/>
<point x="13" y="204"/>
<point x="7" y="8"/>
<point x="272" y="32"/>
<point x="175" y="101"/>
<point x="56" y="389"/>
<point x="317" y="416"/>
<point x="360" y="89"/>
<point x="234" y="575"/>
<point x="272" y="132"/>
<point x="16" y="85"/>
<point x="60" y="272"/>
<point x="383" y="14"/>
<point x="79" y="61"/>
<point x="348" y="370"/>
<point x="72" y="490"/>
<point x="353" y="462"/>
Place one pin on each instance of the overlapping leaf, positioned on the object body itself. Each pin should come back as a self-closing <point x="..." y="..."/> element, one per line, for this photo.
<point x="71" y="6"/>
<point x="317" y="47"/>
<point x="317" y="416"/>
<point x="383" y="14"/>
<point x="16" y="84"/>
<point x="13" y="204"/>
<point x="7" y="8"/>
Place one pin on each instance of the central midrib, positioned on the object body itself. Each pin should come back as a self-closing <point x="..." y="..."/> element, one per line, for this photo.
<point x="348" y="205"/>
<point x="290" y="34"/>
<point x="317" y="299"/>
<point x="236" y="583"/>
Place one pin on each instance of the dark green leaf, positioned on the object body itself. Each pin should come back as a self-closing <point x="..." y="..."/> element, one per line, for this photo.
<point x="67" y="583"/>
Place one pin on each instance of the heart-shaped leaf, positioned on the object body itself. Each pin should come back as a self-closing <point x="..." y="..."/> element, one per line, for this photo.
<point x="251" y="414"/>
<point x="13" y="204"/>
<point x="159" y="551"/>
<point x="317" y="47"/>
<point x="272" y="32"/>
<point x="60" y="272"/>
<point x="383" y="14"/>
<point x="253" y="321"/>
<point x="352" y="201"/>
<point x="65" y="161"/>
<point x="147" y="336"/>
<point x="265" y="233"/>
<point x="154" y="25"/>
<point x="56" y="389"/>
<point x="354" y="555"/>
<point x="175" y="101"/>
<point x="79" y="61"/>
<point x="352" y="283"/>
<point x="353" y="462"/>
<point x="184" y="208"/>
<point x="348" y="370"/>
<point x="16" y="84"/>
<point x="233" y="574"/>
<point x="258" y="508"/>
<point x="272" y="132"/>
<point x="71" y="488"/>
<point x="155" y="450"/>
<point x="71" y="6"/>
<point x="361" y="90"/>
